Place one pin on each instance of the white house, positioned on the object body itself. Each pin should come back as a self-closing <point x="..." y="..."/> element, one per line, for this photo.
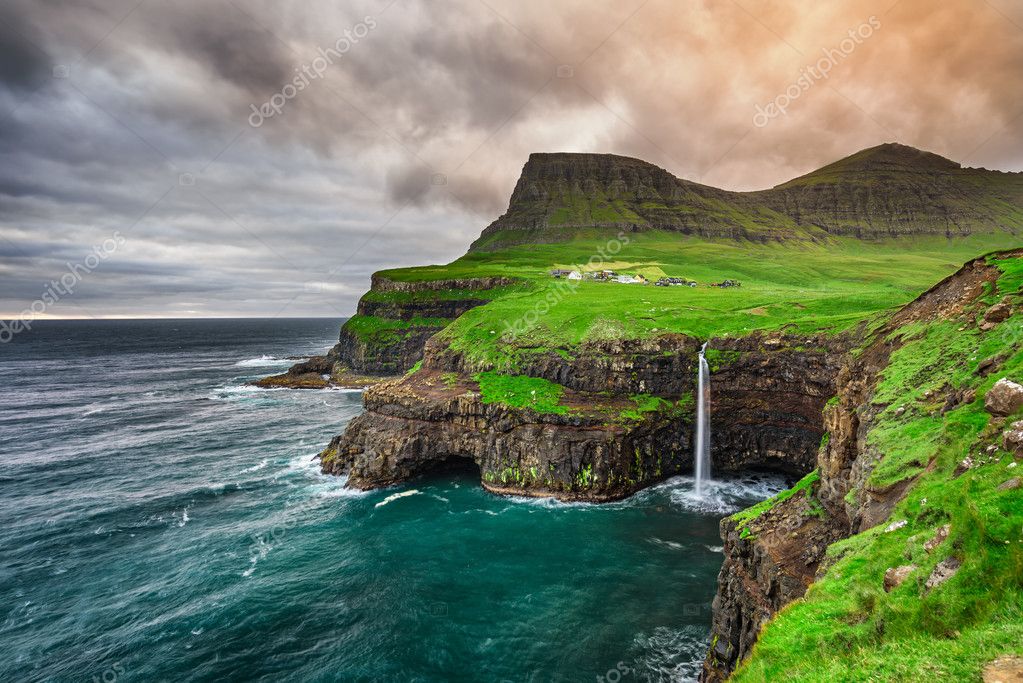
<point x="575" y="275"/>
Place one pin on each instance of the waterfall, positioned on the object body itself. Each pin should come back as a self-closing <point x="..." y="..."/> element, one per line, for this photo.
<point x="701" y="446"/>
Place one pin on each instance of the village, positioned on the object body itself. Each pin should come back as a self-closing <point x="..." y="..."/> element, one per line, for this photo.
<point x="638" y="279"/>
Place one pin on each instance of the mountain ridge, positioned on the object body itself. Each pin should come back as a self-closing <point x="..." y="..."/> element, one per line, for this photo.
<point x="889" y="190"/>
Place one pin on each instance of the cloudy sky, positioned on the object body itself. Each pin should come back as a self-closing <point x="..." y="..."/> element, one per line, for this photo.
<point x="263" y="157"/>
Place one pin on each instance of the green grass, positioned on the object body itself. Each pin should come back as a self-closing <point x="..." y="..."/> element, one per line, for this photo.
<point x="647" y="405"/>
<point x="519" y="391"/>
<point x="718" y="359"/>
<point x="372" y="329"/>
<point x="434" y="295"/>
<point x="744" y="517"/>
<point x="801" y="288"/>
<point x="847" y="628"/>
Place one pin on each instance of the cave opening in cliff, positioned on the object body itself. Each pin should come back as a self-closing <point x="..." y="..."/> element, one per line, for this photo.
<point x="456" y="466"/>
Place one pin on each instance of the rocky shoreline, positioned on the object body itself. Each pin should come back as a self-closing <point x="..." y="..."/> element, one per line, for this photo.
<point x="318" y="372"/>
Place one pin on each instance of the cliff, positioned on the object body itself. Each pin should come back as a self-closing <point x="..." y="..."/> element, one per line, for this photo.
<point x="622" y="419"/>
<point x="918" y="381"/>
<point x="386" y="336"/>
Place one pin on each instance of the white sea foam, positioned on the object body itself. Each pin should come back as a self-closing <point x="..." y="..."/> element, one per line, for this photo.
<point x="670" y="654"/>
<point x="263" y="362"/>
<point x="255" y="468"/>
<point x="94" y="408"/>
<point x="548" y="502"/>
<point x="337" y="487"/>
<point x="723" y="496"/>
<point x="396" y="496"/>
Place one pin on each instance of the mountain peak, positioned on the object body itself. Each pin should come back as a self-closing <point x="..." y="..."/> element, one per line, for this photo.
<point x="889" y="157"/>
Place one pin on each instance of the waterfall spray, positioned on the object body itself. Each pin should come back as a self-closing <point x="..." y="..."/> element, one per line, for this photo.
<point x="701" y="446"/>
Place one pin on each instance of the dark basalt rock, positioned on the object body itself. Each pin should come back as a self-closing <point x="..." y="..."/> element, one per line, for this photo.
<point x="768" y="393"/>
<point x="776" y="558"/>
<point x="422" y="423"/>
<point x="393" y="356"/>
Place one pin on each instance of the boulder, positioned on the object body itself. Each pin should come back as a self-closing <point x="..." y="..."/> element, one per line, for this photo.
<point x="989" y="365"/>
<point x="895" y="526"/>
<point x="1012" y="439"/>
<point x="945" y="570"/>
<point x="998" y="313"/>
<point x="1011" y="484"/>
<point x="1007" y="669"/>
<point x="939" y="538"/>
<point x="958" y="398"/>
<point x="1004" y="398"/>
<point x="964" y="465"/>
<point x="896" y="576"/>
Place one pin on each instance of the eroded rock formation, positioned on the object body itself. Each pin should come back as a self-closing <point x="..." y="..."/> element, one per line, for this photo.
<point x="769" y="392"/>
<point x="772" y="559"/>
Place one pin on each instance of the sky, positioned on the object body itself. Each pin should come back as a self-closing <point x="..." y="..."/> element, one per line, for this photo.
<point x="264" y="157"/>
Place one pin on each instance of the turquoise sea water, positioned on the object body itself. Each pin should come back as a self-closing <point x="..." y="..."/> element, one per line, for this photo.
<point x="160" y="520"/>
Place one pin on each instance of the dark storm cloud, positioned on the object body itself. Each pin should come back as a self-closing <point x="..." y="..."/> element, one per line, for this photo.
<point x="24" y="63"/>
<point x="410" y="139"/>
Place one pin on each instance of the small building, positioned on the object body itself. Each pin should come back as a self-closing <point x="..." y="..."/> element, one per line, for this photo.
<point x="675" y="282"/>
<point x="560" y="272"/>
<point x="727" y="283"/>
<point x="575" y="275"/>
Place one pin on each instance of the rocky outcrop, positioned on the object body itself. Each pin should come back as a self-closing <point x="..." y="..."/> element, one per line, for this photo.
<point x="431" y="420"/>
<point x="1004" y="398"/>
<point x="772" y="559"/>
<point x="386" y="337"/>
<point x="312" y="373"/>
<point x="1012" y="439"/>
<point x="768" y="393"/>
<point x="384" y="353"/>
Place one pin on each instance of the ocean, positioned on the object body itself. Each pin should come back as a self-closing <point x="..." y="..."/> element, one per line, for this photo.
<point x="160" y="520"/>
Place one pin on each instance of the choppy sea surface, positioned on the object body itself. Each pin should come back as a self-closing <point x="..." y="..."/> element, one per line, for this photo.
<point x="161" y="520"/>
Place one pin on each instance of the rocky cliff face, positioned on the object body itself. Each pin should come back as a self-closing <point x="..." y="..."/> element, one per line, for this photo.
<point x="772" y="557"/>
<point x="395" y="319"/>
<point x="429" y="421"/>
<point x="386" y="337"/>
<point x="769" y="394"/>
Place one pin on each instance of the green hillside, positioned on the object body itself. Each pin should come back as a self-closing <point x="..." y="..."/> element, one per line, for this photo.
<point x="849" y="627"/>
<point x="800" y="286"/>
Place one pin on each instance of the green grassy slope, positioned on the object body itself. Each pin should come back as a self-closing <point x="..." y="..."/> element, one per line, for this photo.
<point x="801" y="287"/>
<point x="847" y="628"/>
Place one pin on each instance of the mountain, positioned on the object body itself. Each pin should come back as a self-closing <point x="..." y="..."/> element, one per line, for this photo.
<point x="886" y="191"/>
